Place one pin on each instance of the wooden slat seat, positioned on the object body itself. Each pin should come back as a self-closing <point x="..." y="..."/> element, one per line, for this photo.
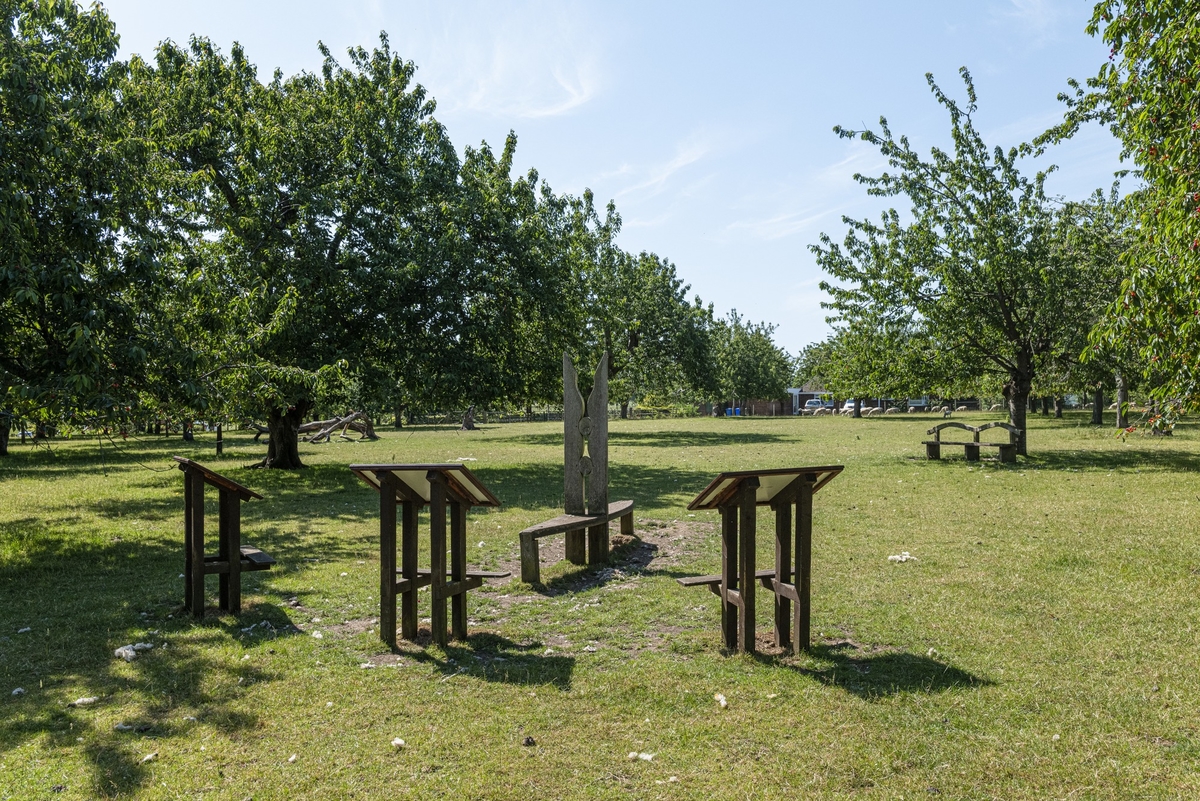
<point x="566" y="524"/>
<point x="714" y="582"/>
<point x="252" y="559"/>
<point x="1007" y="451"/>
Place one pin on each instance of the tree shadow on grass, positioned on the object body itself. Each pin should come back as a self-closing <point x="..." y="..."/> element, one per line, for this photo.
<point x="1129" y="459"/>
<point x="80" y="598"/>
<point x="494" y="658"/>
<point x="658" y="439"/>
<point x="874" y="675"/>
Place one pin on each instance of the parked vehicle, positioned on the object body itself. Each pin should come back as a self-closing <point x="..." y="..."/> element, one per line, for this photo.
<point x="812" y="405"/>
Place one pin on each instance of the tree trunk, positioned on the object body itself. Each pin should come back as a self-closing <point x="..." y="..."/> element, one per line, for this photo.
<point x="5" y="428"/>
<point x="624" y="410"/>
<point x="283" y="447"/>
<point x="399" y="423"/>
<point x="188" y="436"/>
<point x="220" y="440"/>
<point x="1122" y="402"/>
<point x="1098" y="406"/>
<point x="1032" y="404"/>
<point x="857" y="408"/>
<point x="468" y="421"/>
<point x="1016" y="392"/>
<point x="1058" y="407"/>
<point x="1045" y="406"/>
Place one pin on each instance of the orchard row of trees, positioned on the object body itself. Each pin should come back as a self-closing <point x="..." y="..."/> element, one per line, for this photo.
<point x="182" y="238"/>
<point x="986" y="286"/>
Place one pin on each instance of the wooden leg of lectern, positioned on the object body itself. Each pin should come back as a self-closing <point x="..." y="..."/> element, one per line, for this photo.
<point x="408" y="570"/>
<point x="783" y="569"/>
<point x="196" y="588"/>
<point x="802" y="636"/>
<point x="458" y="568"/>
<point x="577" y="546"/>
<point x="187" y="541"/>
<point x="223" y="548"/>
<point x="387" y="558"/>
<point x="746" y="544"/>
<point x="233" y="579"/>
<point x="437" y="556"/>
<point x="729" y="572"/>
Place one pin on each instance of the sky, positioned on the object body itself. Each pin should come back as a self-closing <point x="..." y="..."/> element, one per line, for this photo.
<point x="708" y="124"/>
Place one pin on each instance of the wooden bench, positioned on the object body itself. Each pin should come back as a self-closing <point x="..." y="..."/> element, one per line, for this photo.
<point x="229" y="539"/>
<point x="574" y="527"/>
<point x="1006" y="450"/>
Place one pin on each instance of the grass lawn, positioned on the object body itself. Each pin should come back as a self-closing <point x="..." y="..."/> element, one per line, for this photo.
<point x="1043" y="643"/>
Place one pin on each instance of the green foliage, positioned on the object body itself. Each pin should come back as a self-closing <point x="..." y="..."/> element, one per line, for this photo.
<point x="72" y="286"/>
<point x="749" y="364"/>
<point x="1147" y="95"/>
<point x="975" y="272"/>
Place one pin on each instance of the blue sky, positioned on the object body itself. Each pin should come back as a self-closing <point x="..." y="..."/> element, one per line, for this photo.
<point x="709" y="124"/>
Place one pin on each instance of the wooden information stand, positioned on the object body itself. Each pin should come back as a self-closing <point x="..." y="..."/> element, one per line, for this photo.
<point x="229" y="527"/>
<point x="736" y="495"/>
<point x="408" y="487"/>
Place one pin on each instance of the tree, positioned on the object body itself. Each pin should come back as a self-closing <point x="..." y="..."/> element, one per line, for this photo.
<point x="314" y="219"/>
<point x="636" y="309"/>
<point x="72" y="283"/>
<point x="975" y="268"/>
<point x="749" y="365"/>
<point x="1147" y="95"/>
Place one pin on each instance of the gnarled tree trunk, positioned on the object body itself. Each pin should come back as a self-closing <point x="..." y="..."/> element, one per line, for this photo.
<point x="1058" y="407"/>
<point x="283" y="426"/>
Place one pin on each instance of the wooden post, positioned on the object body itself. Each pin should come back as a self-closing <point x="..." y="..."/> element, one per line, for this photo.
<point x="804" y="504"/>
<point x="597" y="440"/>
<point x="783" y="569"/>
<point x="408" y="569"/>
<point x="437" y="555"/>
<point x="573" y="434"/>
<point x="577" y="546"/>
<point x="597" y="541"/>
<point x="531" y="570"/>
<point x="729" y="561"/>
<point x="229" y="521"/>
<point x="458" y="568"/>
<point x="746" y="532"/>
<point x="387" y="556"/>
<point x="195" y="513"/>
<point x="188" y="534"/>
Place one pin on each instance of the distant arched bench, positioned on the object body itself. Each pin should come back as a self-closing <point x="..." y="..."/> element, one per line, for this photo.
<point x="1006" y="450"/>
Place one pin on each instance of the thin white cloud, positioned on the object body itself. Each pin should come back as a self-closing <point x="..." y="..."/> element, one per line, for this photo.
<point x="531" y="61"/>
<point x="653" y="180"/>
<point x="827" y="192"/>
<point x="1038" y="19"/>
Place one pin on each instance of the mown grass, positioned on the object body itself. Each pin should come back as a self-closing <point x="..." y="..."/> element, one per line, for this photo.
<point x="1042" y="645"/>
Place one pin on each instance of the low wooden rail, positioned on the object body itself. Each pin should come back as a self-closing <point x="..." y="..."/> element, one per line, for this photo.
<point x="1006" y="450"/>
